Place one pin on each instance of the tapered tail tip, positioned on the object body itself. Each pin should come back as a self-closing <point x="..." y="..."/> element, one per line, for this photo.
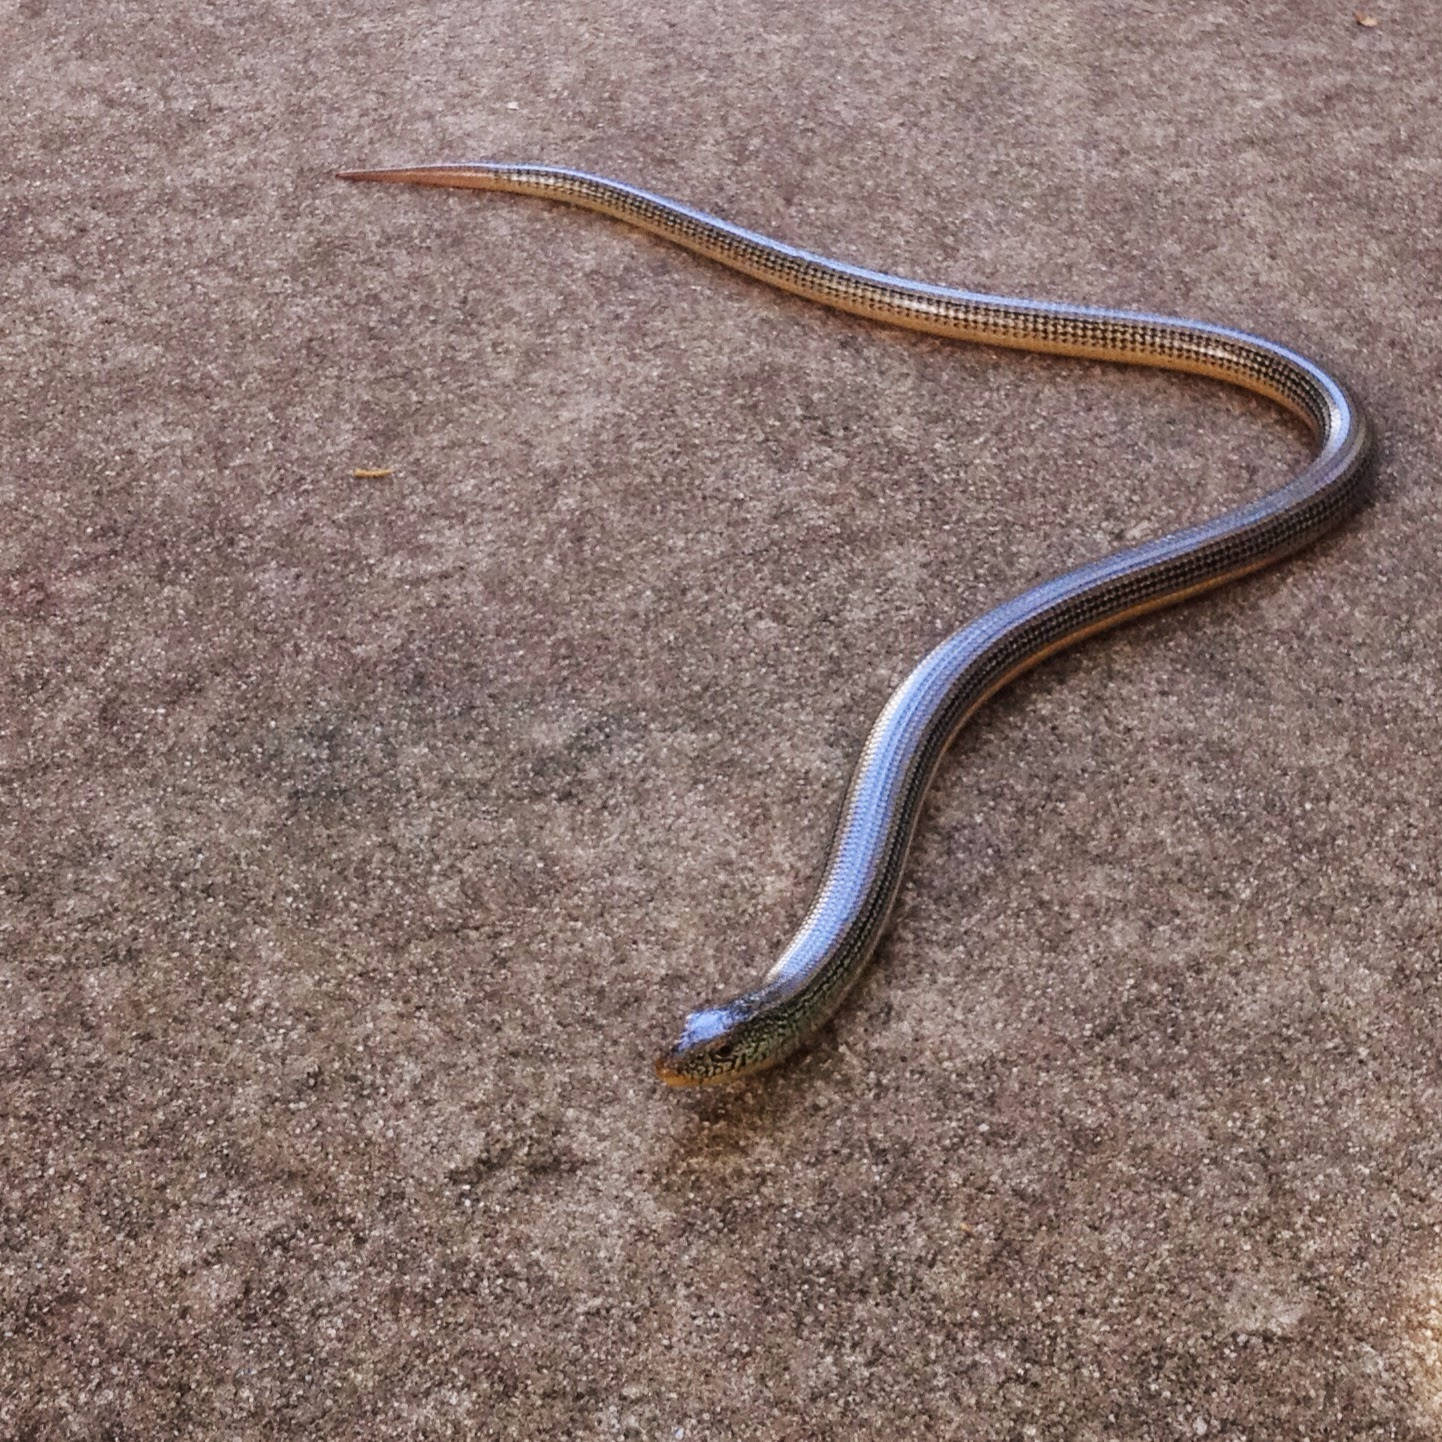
<point x="468" y="175"/>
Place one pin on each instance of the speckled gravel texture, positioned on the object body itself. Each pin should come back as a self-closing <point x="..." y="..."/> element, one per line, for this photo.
<point x="362" y="838"/>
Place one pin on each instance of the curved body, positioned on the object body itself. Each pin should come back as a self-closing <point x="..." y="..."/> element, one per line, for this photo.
<point x="879" y="815"/>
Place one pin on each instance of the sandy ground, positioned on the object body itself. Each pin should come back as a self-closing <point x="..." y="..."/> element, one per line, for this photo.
<point x="363" y="837"/>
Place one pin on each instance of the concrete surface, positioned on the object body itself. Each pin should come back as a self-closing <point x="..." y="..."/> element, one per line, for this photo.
<point x="363" y="838"/>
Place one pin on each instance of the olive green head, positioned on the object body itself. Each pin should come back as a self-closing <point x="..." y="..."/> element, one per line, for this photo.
<point x="724" y="1043"/>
